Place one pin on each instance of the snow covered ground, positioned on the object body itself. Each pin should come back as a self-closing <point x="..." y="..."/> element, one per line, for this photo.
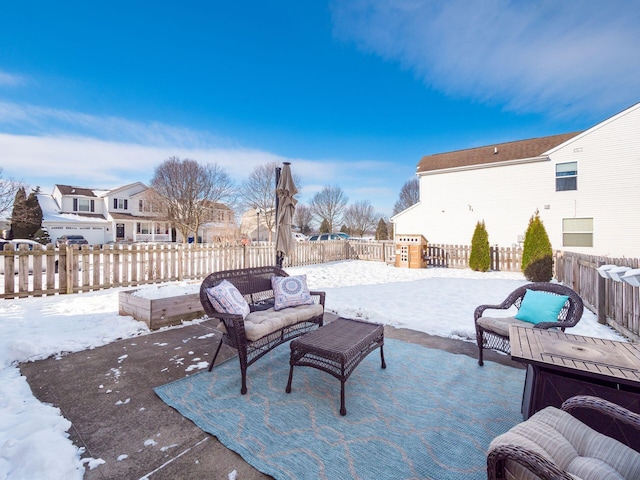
<point x="33" y="438"/>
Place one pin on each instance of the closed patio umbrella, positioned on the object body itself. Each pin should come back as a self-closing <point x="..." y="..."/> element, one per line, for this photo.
<point x="286" y="206"/>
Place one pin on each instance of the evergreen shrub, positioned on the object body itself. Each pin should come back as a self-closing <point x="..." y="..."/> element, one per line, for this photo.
<point x="480" y="257"/>
<point x="537" y="254"/>
<point x="382" y="233"/>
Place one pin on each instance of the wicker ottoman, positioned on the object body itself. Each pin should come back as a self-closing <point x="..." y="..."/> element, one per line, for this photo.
<point x="337" y="348"/>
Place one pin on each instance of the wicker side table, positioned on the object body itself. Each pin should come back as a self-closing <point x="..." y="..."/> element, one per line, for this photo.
<point x="337" y="348"/>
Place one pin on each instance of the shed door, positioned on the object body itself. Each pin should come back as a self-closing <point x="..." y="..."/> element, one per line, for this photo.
<point x="404" y="256"/>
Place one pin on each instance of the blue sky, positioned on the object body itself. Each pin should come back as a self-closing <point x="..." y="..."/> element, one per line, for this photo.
<point x="352" y="93"/>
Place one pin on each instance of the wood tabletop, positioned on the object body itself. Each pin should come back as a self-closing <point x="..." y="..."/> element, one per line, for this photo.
<point x="610" y="359"/>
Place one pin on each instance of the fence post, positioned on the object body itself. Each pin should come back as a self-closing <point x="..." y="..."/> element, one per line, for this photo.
<point x="575" y="273"/>
<point x="602" y="296"/>
<point x="244" y="256"/>
<point x="181" y="260"/>
<point x="495" y="258"/>
<point x="69" y="268"/>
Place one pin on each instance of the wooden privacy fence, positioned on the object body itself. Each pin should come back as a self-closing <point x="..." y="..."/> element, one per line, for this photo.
<point x="616" y="303"/>
<point x="506" y="259"/>
<point x="72" y="269"/>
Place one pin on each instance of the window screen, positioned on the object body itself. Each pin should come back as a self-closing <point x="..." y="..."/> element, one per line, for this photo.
<point x="566" y="176"/>
<point x="577" y="232"/>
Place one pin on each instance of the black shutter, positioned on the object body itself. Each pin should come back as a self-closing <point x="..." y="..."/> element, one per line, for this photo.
<point x="93" y="205"/>
<point x="125" y="204"/>
<point x="115" y="203"/>
<point x="75" y="204"/>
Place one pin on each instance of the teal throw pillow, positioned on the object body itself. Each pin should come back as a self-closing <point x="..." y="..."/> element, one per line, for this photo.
<point x="538" y="307"/>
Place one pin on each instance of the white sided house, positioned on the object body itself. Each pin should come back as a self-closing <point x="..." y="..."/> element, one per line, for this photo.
<point x="585" y="186"/>
<point x="131" y="213"/>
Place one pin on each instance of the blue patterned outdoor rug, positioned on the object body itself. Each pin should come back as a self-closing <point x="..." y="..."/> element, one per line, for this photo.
<point x="429" y="415"/>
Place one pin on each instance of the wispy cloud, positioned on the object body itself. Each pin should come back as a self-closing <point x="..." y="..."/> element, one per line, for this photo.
<point x="11" y="80"/>
<point x="562" y="58"/>
<point x="39" y="120"/>
<point x="44" y="146"/>
<point x="86" y="161"/>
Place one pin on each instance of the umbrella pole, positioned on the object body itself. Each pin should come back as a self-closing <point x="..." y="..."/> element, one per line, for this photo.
<point x="279" y="256"/>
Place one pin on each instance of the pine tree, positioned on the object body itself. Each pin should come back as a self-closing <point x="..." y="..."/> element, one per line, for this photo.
<point x="26" y="217"/>
<point x="480" y="257"/>
<point x="537" y="254"/>
<point x="35" y="213"/>
<point x="324" y="226"/>
<point x="42" y="236"/>
<point x="382" y="233"/>
<point x="17" y="215"/>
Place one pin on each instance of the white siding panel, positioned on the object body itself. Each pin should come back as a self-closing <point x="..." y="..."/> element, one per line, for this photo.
<point x="505" y="197"/>
<point x="608" y="157"/>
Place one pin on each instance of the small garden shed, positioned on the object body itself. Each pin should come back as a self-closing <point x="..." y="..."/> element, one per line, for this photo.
<point x="411" y="251"/>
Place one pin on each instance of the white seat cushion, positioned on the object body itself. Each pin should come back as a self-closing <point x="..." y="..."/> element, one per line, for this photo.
<point x="572" y="446"/>
<point x="261" y="323"/>
<point x="500" y="325"/>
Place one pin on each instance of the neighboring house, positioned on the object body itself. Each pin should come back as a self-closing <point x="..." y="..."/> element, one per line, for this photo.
<point x="221" y="227"/>
<point x="136" y="214"/>
<point x="584" y="186"/>
<point x="131" y="213"/>
<point x="74" y="211"/>
<point x="252" y="225"/>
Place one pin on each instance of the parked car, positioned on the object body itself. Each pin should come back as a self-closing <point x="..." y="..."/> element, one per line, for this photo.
<point x="17" y="242"/>
<point x="299" y="237"/>
<point x="32" y="244"/>
<point x="329" y="236"/>
<point x="65" y="240"/>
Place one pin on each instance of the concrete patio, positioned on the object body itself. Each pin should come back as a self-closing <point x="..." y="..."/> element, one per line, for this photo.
<point x="107" y="394"/>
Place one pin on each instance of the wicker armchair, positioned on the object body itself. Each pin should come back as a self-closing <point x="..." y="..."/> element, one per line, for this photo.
<point x="493" y="332"/>
<point x="255" y="285"/>
<point x="554" y="445"/>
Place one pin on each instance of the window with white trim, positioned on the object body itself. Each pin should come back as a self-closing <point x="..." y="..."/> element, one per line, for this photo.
<point x="83" y="205"/>
<point x="148" y="206"/>
<point x="566" y="176"/>
<point x="120" y="204"/>
<point x="144" y="227"/>
<point x="577" y="232"/>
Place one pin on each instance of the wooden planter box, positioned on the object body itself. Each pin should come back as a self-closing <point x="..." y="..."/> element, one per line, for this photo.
<point x="160" y="312"/>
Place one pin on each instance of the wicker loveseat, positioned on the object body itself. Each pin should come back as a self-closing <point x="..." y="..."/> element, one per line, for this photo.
<point x="554" y="445"/>
<point x="264" y="328"/>
<point x="493" y="332"/>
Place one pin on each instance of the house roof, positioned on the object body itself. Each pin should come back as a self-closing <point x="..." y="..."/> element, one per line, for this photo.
<point x="70" y="190"/>
<point x="141" y="185"/>
<point x="502" y="152"/>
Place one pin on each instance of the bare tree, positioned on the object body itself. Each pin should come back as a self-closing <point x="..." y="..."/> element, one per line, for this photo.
<point x="409" y="195"/>
<point x="359" y="218"/>
<point x="302" y="218"/>
<point x="259" y="192"/>
<point x="8" y="189"/>
<point x="189" y="192"/>
<point x="328" y="204"/>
